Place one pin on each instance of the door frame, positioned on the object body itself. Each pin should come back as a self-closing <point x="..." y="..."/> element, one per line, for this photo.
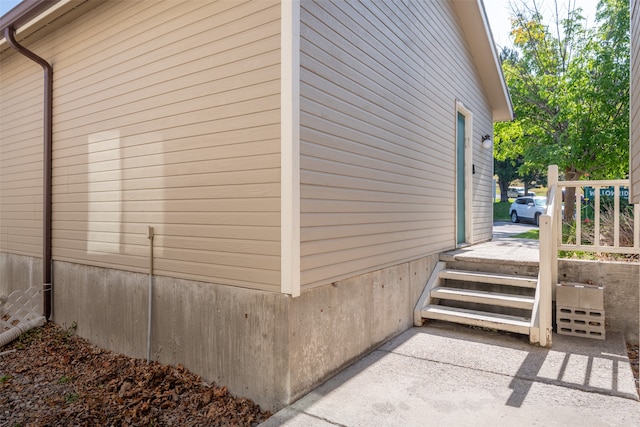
<point x="468" y="174"/>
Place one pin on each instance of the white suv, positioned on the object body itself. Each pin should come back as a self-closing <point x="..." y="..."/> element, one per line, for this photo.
<point x="528" y="209"/>
<point x="514" y="192"/>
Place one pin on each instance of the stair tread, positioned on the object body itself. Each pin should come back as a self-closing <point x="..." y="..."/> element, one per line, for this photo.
<point x="497" y="278"/>
<point x="520" y="324"/>
<point x="443" y="291"/>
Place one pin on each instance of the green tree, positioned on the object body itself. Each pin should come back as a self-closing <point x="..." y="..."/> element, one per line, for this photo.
<point x="530" y="177"/>
<point x="509" y="163"/>
<point x="507" y="172"/>
<point x="570" y="90"/>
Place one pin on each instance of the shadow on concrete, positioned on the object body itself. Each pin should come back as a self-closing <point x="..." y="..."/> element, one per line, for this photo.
<point x="597" y="366"/>
<point x="415" y="363"/>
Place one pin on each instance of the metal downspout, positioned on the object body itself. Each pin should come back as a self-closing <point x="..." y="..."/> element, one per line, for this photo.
<point x="9" y="34"/>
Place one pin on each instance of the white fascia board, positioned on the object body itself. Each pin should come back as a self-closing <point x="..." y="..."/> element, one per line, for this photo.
<point x="476" y="31"/>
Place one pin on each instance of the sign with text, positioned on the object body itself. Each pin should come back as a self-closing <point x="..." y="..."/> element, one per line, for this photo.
<point x="590" y="192"/>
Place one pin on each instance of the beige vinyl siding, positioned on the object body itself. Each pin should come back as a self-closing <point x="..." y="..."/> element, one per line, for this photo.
<point x="483" y="187"/>
<point x="21" y="120"/>
<point x="634" y="150"/>
<point x="379" y="84"/>
<point x="167" y="114"/>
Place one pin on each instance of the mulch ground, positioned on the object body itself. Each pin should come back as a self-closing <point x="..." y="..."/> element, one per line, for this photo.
<point x="50" y="377"/>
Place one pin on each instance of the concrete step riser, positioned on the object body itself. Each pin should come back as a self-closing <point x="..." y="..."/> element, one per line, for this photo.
<point x="490" y="288"/>
<point x="502" y="268"/>
<point x="485" y="320"/>
<point x="486" y="308"/>
<point x="489" y="278"/>
<point x="481" y="297"/>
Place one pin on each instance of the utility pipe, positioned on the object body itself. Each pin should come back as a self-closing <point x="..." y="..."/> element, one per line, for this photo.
<point x="150" y="307"/>
<point x="12" y="334"/>
<point x="9" y="34"/>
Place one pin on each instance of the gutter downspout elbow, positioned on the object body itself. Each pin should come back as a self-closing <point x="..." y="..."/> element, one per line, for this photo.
<point x="9" y="34"/>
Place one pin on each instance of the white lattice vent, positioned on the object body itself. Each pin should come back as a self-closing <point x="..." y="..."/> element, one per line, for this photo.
<point x="19" y="307"/>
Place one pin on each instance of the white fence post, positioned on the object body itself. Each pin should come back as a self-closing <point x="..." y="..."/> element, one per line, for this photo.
<point x="548" y="265"/>
<point x="556" y="225"/>
<point x="545" y="279"/>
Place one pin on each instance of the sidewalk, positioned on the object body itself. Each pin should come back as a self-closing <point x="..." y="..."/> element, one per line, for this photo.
<point x="507" y="229"/>
<point x="451" y="375"/>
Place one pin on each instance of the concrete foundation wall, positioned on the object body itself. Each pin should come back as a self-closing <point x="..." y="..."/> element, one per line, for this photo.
<point x="235" y="337"/>
<point x="232" y="336"/>
<point x="331" y="326"/>
<point x="621" y="281"/>
<point x="265" y="346"/>
<point x="19" y="272"/>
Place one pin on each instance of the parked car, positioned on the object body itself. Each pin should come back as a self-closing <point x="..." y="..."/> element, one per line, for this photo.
<point x="528" y="209"/>
<point x="514" y="192"/>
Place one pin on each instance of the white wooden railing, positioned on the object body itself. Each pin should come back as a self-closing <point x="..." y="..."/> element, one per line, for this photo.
<point x="551" y="240"/>
<point x="541" y="321"/>
<point x="611" y="222"/>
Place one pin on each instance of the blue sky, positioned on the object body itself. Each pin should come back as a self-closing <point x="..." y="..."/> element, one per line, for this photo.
<point x="497" y="11"/>
<point x="7" y="5"/>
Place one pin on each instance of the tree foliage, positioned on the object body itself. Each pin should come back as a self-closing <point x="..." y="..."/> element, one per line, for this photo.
<point x="507" y="172"/>
<point x="570" y="91"/>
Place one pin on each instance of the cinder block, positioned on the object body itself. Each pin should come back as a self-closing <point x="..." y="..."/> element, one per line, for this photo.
<point x="567" y="294"/>
<point x="571" y="294"/>
<point x="580" y="322"/>
<point x="592" y="297"/>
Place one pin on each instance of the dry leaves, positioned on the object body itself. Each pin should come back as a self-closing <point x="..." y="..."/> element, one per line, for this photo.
<point x="56" y="378"/>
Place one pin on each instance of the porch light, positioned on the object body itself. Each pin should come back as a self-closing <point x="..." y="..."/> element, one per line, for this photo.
<point x="486" y="141"/>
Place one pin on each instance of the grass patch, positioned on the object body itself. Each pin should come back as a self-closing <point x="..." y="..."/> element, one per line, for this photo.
<point x="64" y="379"/>
<point x="501" y="211"/>
<point x="588" y="256"/>
<point x="71" y="398"/>
<point x="531" y="234"/>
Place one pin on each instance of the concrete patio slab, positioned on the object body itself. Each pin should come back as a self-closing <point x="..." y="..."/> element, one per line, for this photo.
<point x="450" y="375"/>
<point x="521" y="251"/>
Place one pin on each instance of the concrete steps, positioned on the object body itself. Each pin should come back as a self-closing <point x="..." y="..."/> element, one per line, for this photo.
<point x="493" y="278"/>
<point x="482" y="297"/>
<point x="496" y="321"/>
<point x="486" y="299"/>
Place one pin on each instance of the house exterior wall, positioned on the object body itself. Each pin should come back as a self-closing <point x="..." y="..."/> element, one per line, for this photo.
<point x="634" y="150"/>
<point x="21" y="151"/>
<point x="167" y="116"/>
<point x="379" y="86"/>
